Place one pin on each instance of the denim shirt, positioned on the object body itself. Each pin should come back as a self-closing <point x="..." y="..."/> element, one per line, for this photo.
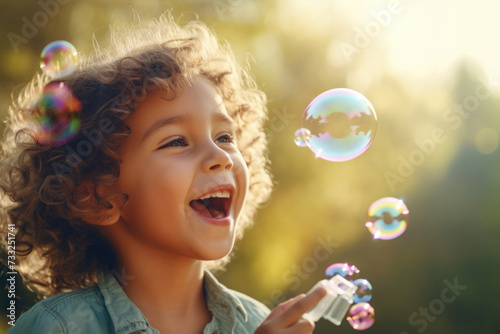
<point x="105" y="308"/>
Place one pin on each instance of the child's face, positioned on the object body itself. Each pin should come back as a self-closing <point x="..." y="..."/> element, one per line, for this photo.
<point x="168" y="164"/>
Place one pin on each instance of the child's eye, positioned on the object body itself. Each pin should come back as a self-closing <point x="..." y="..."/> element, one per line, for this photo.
<point x="229" y="138"/>
<point x="181" y="141"/>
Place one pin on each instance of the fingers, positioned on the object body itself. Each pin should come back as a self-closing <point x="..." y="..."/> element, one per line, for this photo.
<point x="295" y="311"/>
<point x="286" y="318"/>
<point x="271" y="326"/>
<point x="278" y="310"/>
<point x="301" y="327"/>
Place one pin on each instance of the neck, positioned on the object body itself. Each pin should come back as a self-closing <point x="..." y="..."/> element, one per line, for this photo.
<point x="166" y="287"/>
<point x="158" y="280"/>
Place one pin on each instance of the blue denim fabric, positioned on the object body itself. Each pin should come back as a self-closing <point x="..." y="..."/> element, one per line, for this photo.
<point x="105" y="308"/>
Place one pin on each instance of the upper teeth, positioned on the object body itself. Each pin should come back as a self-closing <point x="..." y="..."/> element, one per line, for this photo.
<point x="223" y="193"/>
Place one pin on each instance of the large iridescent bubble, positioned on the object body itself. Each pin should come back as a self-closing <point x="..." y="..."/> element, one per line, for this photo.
<point x="57" y="115"/>
<point x="59" y="59"/>
<point x="387" y="218"/>
<point x="342" y="124"/>
<point x="361" y="316"/>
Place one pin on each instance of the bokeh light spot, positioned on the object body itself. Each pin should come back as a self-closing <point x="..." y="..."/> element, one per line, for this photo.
<point x="486" y="140"/>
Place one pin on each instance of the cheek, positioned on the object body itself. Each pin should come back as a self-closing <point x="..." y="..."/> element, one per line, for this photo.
<point x="154" y="186"/>
<point x="242" y="175"/>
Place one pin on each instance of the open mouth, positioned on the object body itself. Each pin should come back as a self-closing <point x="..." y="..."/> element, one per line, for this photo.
<point x="213" y="207"/>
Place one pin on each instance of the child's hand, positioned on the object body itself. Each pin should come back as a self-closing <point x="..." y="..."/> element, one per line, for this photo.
<point x="287" y="316"/>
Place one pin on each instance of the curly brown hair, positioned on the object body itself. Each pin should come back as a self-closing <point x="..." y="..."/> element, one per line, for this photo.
<point x="45" y="191"/>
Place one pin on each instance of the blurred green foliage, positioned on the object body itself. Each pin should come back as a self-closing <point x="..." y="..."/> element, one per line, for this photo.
<point x="452" y="193"/>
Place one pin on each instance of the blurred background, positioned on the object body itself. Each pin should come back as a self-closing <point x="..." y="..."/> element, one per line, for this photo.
<point x="427" y="67"/>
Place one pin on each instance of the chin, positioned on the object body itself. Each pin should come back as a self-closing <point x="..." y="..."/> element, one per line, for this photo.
<point x="216" y="252"/>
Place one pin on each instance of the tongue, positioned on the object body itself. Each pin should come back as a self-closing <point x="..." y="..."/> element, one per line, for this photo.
<point x="216" y="213"/>
<point x="212" y="212"/>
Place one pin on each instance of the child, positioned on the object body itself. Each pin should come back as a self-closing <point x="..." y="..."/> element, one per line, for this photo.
<point x="122" y="222"/>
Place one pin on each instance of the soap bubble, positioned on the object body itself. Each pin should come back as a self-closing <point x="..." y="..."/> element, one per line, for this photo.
<point x="364" y="291"/>
<point x="361" y="316"/>
<point x="387" y="218"/>
<point x="342" y="269"/>
<point x="57" y="115"/>
<point x="342" y="124"/>
<point x="59" y="59"/>
<point x="301" y="136"/>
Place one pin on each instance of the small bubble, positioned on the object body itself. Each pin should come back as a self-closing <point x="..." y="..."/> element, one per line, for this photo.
<point x="57" y="115"/>
<point x="342" y="124"/>
<point x="361" y="316"/>
<point x="59" y="59"/>
<point x="342" y="269"/>
<point x="301" y="136"/>
<point x="387" y="218"/>
<point x="364" y="291"/>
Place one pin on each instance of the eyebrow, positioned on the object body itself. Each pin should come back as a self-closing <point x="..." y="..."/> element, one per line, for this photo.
<point x="181" y="119"/>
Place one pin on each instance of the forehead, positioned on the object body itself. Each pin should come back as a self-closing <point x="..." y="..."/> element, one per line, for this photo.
<point x="195" y="102"/>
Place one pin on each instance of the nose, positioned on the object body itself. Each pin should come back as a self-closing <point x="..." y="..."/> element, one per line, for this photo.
<point x="216" y="158"/>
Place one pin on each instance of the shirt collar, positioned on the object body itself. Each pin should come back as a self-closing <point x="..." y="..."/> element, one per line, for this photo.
<point x="127" y="317"/>
<point x="124" y="314"/>
<point x="218" y="296"/>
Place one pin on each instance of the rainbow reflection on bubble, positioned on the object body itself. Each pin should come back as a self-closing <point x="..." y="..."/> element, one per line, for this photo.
<point x="57" y="115"/>
<point x="361" y="316"/>
<point x="59" y="59"/>
<point x="342" y="124"/>
<point x="342" y="269"/>
<point x="387" y="218"/>
<point x="364" y="291"/>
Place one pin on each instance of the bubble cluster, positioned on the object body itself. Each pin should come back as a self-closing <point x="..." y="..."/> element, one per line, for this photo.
<point x="361" y="316"/>
<point x="57" y="115"/>
<point x="59" y="59"/>
<point x="364" y="291"/>
<point x="342" y="269"/>
<point x="342" y="124"/>
<point x="387" y="218"/>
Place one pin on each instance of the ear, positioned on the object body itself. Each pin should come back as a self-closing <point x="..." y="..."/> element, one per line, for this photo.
<point x="96" y="213"/>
